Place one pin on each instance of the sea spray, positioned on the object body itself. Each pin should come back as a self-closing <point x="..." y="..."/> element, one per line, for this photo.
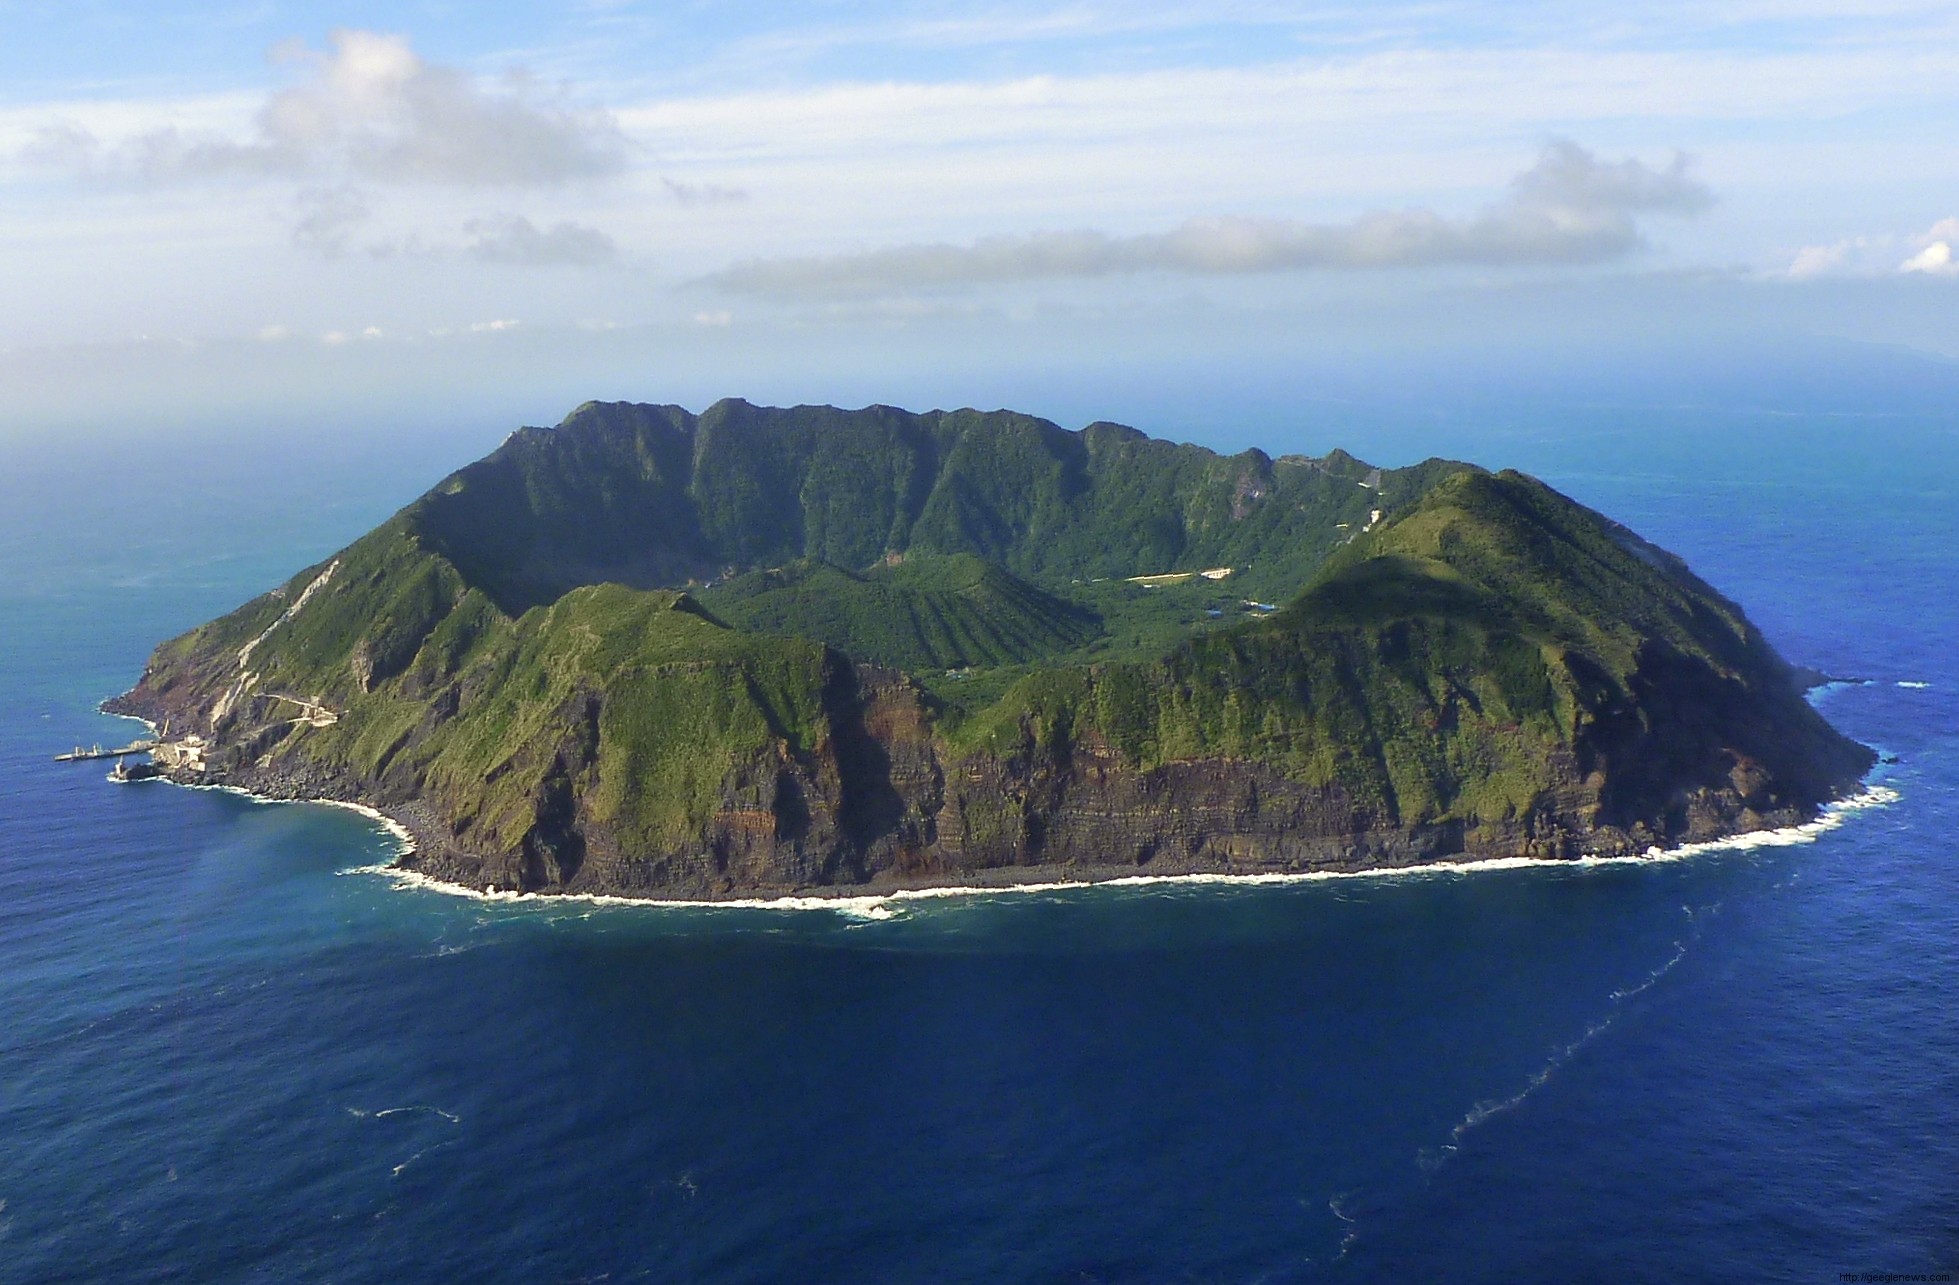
<point x="888" y="905"/>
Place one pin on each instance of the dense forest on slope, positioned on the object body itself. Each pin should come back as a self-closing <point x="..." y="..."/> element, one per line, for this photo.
<point x="955" y="612"/>
<point x="653" y="652"/>
<point x="651" y="496"/>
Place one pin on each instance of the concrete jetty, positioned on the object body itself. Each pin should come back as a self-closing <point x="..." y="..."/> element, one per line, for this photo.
<point x="79" y="754"/>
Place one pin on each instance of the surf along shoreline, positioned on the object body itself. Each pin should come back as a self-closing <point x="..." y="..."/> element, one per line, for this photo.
<point x="869" y="899"/>
<point x="405" y="827"/>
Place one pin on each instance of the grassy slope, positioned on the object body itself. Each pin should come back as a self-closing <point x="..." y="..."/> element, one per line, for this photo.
<point x="1434" y="669"/>
<point x="1434" y="666"/>
<point x="397" y="640"/>
<point x="686" y="700"/>
<point x="652" y="496"/>
<point x="927" y="613"/>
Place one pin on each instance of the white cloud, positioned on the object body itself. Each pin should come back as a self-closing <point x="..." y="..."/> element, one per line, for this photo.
<point x="952" y="152"/>
<point x="493" y="327"/>
<point x="1568" y="208"/>
<point x="1934" y="257"/>
<point x="1930" y="254"/>
<point x="1935" y="260"/>
<point x="1822" y="260"/>
<point x="369" y="109"/>
<point x="517" y="241"/>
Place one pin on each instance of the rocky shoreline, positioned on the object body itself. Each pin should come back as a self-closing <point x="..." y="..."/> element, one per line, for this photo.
<point x="423" y="835"/>
<point x="1486" y="670"/>
<point x="434" y="852"/>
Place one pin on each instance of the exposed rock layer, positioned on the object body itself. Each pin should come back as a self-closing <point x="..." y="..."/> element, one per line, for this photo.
<point x="1489" y="670"/>
<point x="885" y="803"/>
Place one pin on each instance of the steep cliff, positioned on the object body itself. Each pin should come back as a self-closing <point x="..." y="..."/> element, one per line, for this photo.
<point x="759" y="650"/>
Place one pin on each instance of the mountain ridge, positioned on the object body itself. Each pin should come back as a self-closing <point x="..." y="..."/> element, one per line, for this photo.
<point x="758" y="649"/>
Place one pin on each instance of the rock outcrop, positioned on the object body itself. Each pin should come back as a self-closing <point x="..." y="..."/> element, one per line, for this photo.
<point x="1483" y="669"/>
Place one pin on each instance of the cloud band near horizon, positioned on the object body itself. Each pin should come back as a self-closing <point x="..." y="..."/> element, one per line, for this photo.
<point x="1569" y="208"/>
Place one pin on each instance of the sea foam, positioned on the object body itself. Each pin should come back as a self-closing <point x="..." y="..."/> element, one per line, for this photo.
<point x="889" y="905"/>
<point x="399" y="832"/>
<point x="873" y="907"/>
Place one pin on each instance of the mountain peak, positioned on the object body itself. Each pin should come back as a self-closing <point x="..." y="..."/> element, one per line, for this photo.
<point x="660" y="654"/>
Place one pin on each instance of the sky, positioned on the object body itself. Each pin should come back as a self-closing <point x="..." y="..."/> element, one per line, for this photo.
<point x="231" y="211"/>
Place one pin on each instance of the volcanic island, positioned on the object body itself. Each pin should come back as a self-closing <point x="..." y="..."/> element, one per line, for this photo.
<point x="763" y="652"/>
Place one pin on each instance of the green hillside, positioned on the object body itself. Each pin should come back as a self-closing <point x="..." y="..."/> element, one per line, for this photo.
<point x="653" y="496"/>
<point x="649" y="651"/>
<point x="1440" y="668"/>
<point x="956" y="612"/>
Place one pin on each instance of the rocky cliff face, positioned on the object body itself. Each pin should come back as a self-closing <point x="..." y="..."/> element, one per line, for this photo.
<point x="1491" y="671"/>
<point x="884" y="801"/>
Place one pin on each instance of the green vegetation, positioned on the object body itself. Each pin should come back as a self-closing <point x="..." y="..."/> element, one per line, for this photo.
<point x="1434" y="670"/>
<point x="651" y="496"/>
<point x="957" y="612"/>
<point x="680" y="701"/>
<point x="643" y="620"/>
<point x="684" y="700"/>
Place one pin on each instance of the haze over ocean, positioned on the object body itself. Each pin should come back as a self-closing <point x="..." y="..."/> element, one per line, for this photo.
<point x="274" y="269"/>
<point x="229" y="1058"/>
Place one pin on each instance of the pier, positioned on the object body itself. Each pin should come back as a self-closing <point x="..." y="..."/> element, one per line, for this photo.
<point x="78" y="754"/>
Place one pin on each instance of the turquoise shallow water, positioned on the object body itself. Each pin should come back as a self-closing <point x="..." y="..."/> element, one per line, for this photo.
<point x="225" y="1057"/>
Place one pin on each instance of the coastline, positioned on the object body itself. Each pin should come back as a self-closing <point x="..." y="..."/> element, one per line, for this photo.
<point x="874" y="902"/>
<point x="395" y="828"/>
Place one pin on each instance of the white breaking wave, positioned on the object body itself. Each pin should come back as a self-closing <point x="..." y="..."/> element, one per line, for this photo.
<point x="451" y="1117"/>
<point x="1352" y="1231"/>
<point x="396" y="1171"/>
<point x="1652" y="978"/>
<point x="889" y="905"/>
<point x="1916" y="686"/>
<point x="360" y="1113"/>
<point x="1431" y="1160"/>
<point x="1833" y="815"/>
<point x="399" y="832"/>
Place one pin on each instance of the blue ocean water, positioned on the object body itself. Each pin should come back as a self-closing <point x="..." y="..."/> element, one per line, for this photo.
<point x="224" y="1057"/>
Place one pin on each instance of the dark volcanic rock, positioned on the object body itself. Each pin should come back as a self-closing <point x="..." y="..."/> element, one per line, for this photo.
<point x="1467" y="666"/>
